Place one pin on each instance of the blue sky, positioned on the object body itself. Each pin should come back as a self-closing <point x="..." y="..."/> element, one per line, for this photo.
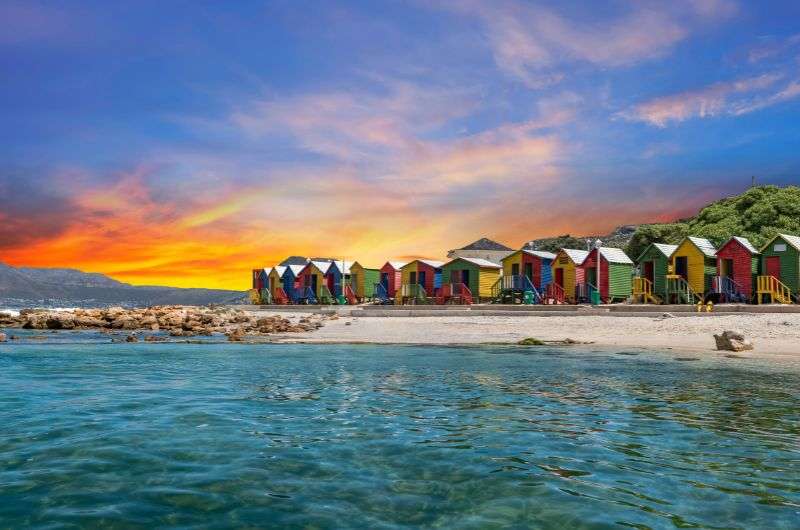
<point x="192" y="141"/>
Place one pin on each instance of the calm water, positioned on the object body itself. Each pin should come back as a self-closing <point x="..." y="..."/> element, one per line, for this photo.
<point x="231" y="436"/>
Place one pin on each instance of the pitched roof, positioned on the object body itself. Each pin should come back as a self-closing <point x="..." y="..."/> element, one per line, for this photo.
<point x="792" y="240"/>
<point x="397" y="265"/>
<point x="294" y="269"/>
<point x="745" y="243"/>
<point x="577" y="256"/>
<point x="431" y="263"/>
<point x="615" y="255"/>
<point x="480" y="262"/>
<point x="362" y="266"/>
<point x="343" y="266"/>
<point x="279" y="269"/>
<point x="705" y="246"/>
<point x="665" y="249"/>
<point x="485" y="243"/>
<point x="540" y="253"/>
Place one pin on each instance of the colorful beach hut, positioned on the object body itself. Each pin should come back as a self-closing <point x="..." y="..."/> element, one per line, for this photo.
<point x="568" y="275"/>
<point x="391" y="278"/>
<point x="654" y="266"/>
<point x="607" y="271"/>
<point x="364" y="280"/>
<point x="738" y="262"/>
<point x="420" y="279"/>
<point x="277" y="292"/>
<point x="314" y="283"/>
<point x="780" y="270"/>
<point x="291" y="283"/>
<point x="465" y="280"/>
<point x="257" y="280"/>
<point x="694" y="264"/>
<point x="524" y="269"/>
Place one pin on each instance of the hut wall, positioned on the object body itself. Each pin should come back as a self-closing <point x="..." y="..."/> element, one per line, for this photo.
<point x="488" y="277"/>
<point x="743" y="261"/>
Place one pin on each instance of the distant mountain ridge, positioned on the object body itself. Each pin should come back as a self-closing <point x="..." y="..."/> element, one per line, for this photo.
<point x="619" y="238"/>
<point x="27" y="286"/>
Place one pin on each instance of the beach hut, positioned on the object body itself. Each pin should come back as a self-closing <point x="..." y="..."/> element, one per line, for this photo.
<point x="337" y="276"/>
<point x="694" y="264"/>
<point x="779" y="280"/>
<point x="277" y="293"/>
<point x="391" y="278"/>
<point x="654" y="266"/>
<point x="568" y="276"/>
<point x="420" y="279"/>
<point x="256" y="279"/>
<point x="264" y="293"/>
<point x="291" y="284"/>
<point x="524" y="271"/>
<point x="615" y="270"/>
<point x="314" y="283"/>
<point x="465" y="280"/>
<point x="738" y="263"/>
<point x="364" y="280"/>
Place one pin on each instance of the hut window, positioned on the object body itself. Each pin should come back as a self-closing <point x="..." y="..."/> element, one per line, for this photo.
<point x="780" y="247"/>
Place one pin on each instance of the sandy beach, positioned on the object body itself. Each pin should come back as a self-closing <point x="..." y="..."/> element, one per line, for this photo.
<point x="772" y="334"/>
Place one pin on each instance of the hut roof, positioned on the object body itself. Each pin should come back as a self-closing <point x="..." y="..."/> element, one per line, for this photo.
<point x="792" y="240"/>
<point x="745" y="243"/>
<point x="431" y="263"/>
<point x="280" y="269"/>
<point x="665" y="249"/>
<point x="540" y="253"/>
<point x="615" y="255"/>
<point x="577" y="256"/>
<point x="294" y="260"/>
<point x="295" y="269"/>
<point x="480" y="262"/>
<point x="485" y="243"/>
<point x="343" y="266"/>
<point x="705" y="246"/>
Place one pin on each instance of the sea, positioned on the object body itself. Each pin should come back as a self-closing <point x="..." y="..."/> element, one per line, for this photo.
<point x="102" y="435"/>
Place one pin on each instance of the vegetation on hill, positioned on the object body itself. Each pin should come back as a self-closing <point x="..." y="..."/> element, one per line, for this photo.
<point x="757" y="214"/>
<point x="618" y="239"/>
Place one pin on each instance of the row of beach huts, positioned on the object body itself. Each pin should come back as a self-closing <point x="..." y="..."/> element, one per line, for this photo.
<point x="692" y="272"/>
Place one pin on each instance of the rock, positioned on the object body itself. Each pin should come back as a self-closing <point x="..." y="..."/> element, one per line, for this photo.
<point x="236" y="335"/>
<point x="667" y="315"/>
<point x="348" y="323"/>
<point x="60" y="321"/>
<point x="124" y="322"/>
<point x="131" y="338"/>
<point x="3" y="337"/>
<point x="154" y="338"/>
<point x="530" y="341"/>
<point x="732" y="340"/>
<point x="177" y="333"/>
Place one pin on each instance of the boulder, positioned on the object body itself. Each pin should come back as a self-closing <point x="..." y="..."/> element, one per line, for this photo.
<point x="3" y="337"/>
<point x="60" y="321"/>
<point x="732" y="340"/>
<point x="131" y="338"/>
<point x="124" y="322"/>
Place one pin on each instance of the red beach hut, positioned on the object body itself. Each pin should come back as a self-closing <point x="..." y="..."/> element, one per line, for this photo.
<point x="737" y="268"/>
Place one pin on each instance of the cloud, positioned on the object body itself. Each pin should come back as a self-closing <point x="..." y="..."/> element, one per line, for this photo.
<point x="532" y="42"/>
<point x="733" y="98"/>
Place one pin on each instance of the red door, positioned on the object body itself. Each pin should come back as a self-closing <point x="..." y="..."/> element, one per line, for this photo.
<point x="649" y="271"/>
<point x="774" y="266"/>
<point x="560" y="277"/>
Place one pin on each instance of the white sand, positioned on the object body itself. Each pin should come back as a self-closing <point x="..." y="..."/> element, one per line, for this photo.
<point x="772" y="333"/>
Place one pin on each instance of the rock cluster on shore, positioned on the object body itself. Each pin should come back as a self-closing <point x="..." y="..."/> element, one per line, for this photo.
<point x="178" y="321"/>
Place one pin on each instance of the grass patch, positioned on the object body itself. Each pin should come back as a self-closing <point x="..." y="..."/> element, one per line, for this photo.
<point x="531" y="341"/>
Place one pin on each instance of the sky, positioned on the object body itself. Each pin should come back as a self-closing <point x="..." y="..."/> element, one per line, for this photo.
<point x="186" y="143"/>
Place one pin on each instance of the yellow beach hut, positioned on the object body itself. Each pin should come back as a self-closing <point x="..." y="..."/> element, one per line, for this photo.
<point x="694" y="265"/>
<point x="568" y="275"/>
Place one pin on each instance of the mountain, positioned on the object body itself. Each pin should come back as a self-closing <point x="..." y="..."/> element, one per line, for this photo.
<point x="25" y="287"/>
<point x="619" y="238"/>
<point x="757" y="214"/>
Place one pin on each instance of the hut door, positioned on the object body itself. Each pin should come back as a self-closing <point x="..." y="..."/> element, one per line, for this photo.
<point x="649" y="271"/>
<point x="515" y="269"/>
<point x="412" y="277"/>
<point x="455" y="277"/>
<point x="529" y="271"/>
<point x="421" y="276"/>
<point x="682" y="267"/>
<point x="774" y="266"/>
<point x="726" y="268"/>
<point x="313" y="279"/>
<point x="465" y="277"/>
<point x="560" y="277"/>
<point x="385" y="280"/>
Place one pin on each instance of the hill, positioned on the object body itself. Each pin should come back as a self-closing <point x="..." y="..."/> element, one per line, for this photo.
<point x="619" y="238"/>
<point x="757" y="214"/>
<point x="25" y="287"/>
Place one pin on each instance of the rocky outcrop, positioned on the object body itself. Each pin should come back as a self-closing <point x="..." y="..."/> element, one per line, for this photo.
<point x="177" y="321"/>
<point x="732" y="340"/>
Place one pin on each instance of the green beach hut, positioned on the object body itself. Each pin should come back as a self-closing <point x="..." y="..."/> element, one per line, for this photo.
<point x="780" y="269"/>
<point x="651" y="283"/>
<point x="363" y="280"/>
<point x="478" y="275"/>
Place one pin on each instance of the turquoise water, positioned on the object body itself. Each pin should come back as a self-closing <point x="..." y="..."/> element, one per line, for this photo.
<point x="301" y="436"/>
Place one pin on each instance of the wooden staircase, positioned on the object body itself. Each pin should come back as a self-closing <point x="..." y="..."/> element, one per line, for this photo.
<point x="512" y="289"/>
<point x="454" y="293"/>
<point x="380" y="294"/>
<point x="280" y="296"/>
<point x="325" y="295"/>
<point x="253" y="296"/>
<point x="680" y="292"/>
<point x="728" y="290"/>
<point x="350" y="295"/>
<point x="642" y="292"/>
<point x="266" y="297"/>
<point x="772" y="287"/>
<point x="412" y="294"/>
<point x="554" y="294"/>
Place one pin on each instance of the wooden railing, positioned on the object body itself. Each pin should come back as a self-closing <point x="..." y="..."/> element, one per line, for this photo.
<point x="350" y="294"/>
<point x="555" y="293"/>
<point x="280" y="296"/>
<point x="679" y="288"/>
<point x="774" y="288"/>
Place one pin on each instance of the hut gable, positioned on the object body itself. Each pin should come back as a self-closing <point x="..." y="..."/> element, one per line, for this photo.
<point x="480" y="263"/>
<point x="615" y="255"/>
<point x="703" y="245"/>
<point x="576" y="256"/>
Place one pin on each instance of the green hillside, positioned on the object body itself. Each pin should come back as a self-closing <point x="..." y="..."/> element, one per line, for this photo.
<point x="757" y="214"/>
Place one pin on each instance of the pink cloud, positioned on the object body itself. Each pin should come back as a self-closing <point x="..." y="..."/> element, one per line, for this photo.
<point x="729" y="98"/>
